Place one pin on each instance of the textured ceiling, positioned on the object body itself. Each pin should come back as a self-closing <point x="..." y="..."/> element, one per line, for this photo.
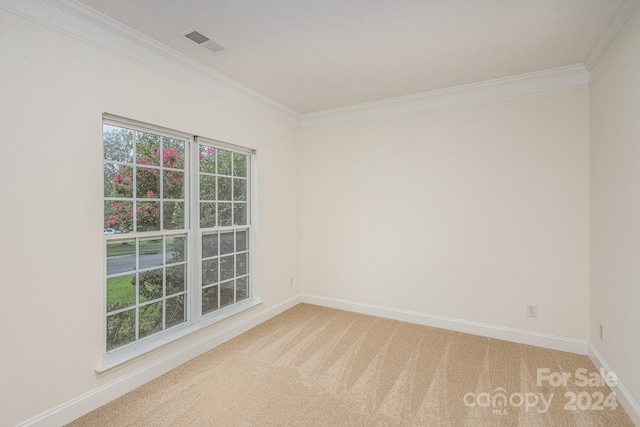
<point x="313" y="55"/>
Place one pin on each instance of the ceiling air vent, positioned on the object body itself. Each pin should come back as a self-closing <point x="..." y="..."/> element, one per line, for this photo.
<point x="205" y="41"/>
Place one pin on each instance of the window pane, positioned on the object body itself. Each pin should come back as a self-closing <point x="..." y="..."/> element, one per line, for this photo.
<point x="118" y="215"/>
<point x="241" y="264"/>
<point x="173" y="185"/>
<point x="226" y="243"/>
<point x="148" y="183"/>
<point x="121" y="329"/>
<point x="226" y="268"/>
<point x="207" y="187"/>
<point x="224" y="214"/>
<point x="207" y="159"/>
<point x="150" y="285"/>
<point x="150" y="319"/>
<point x="224" y="188"/>
<point x="175" y="311"/>
<point x="150" y="253"/>
<point x="176" y="249"/>
<point x="240" y="214"/>
<point x="224" y="162"/>
<point x="226" y="294"/>
<point x="239" y="189"/>
<point x="109" y="178"/>
<point x="118" y="180"/>
<point x="121" y="292"/>
<point x="118" y="144"/>
<point x="209" y="271"/>
<point x="207" y="215"/>
<point x="173" y="153"/>
<point x="148" y="149"/>
<point x="209" y="299"/>
<point x="209" y="245"/>
<point x="239" y="164"/>
<point x="241" y="288"/>
<point x="241" y="241"/>
<point x="175" y="279"/>
<point x="148" y="216"/>
<point x="121" y="257"/>
<point x="173" y="215"/>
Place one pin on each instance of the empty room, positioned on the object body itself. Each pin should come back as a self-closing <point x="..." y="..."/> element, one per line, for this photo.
<point x="336" y="213"/>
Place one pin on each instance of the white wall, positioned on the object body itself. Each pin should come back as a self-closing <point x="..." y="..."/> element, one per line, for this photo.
<point x="53" y="90"/>
<point x="615" y="215"/>
<point x="469" y="213"/>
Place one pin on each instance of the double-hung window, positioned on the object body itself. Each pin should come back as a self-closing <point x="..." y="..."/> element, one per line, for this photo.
<point x="177" y="231"/>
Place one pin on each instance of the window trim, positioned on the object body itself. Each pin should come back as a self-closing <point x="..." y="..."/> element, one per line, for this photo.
<point x="113" y="120"/>
<point x="124" y="355"/>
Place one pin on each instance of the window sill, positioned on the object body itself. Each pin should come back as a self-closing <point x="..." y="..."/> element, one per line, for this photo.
<point x="127" y="355"/>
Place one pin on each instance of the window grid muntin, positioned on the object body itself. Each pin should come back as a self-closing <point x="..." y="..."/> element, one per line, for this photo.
<point x="137" y="167"/>
<point x="219" y="229"/>
<point x="234" y="255"/>
<point x="217" y="202"/>
<point x="164" y="298"/>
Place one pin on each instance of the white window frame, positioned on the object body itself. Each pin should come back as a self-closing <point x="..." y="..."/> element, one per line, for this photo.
<point x="121" y="356"/>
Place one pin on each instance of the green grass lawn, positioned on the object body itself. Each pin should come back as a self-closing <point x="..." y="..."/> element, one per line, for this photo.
<point x="121" y="291"/>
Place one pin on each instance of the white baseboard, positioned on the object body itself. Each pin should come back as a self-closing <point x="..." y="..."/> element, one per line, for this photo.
<point x="623" y="396"/>
<point x="92" y="400"/>
<point x="491" y="331"/>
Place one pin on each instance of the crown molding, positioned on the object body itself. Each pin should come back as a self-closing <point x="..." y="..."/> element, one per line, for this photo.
<point x="622" y="29"/>
<point x="83" y="23"/>
<point x="74" y="19"/>
<point x="554" y="80"/>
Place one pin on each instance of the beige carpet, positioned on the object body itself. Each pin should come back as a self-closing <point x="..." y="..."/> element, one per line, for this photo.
<point x="314" y="366"/>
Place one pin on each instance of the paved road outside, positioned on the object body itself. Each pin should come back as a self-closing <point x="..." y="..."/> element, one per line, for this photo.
<point x="122" y="264"/>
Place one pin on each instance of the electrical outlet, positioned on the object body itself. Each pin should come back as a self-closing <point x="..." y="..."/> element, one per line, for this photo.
<point x="601" y="331"/>
<point x="532" y="310"/>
